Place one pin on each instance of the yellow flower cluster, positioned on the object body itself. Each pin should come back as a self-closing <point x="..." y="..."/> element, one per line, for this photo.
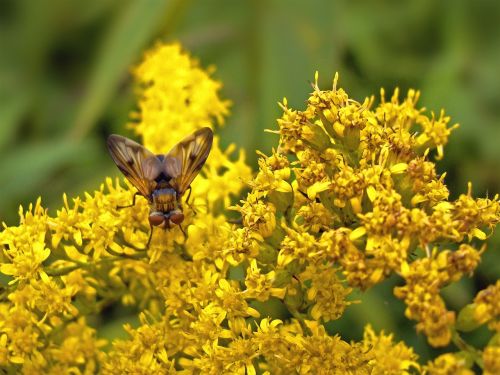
<point x="358" y="200"/>
<point x="486" y="307"/>
<point x="349" y="197"/>
<point x="456" y="363"/>
<point x="176" y="97"/>
<point x="365" y="197"/>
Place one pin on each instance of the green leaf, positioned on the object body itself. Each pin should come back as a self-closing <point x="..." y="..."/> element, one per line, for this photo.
<point x="11" y="111"/>
<point x="28" y="166"/>
<point x="130" y="32"/>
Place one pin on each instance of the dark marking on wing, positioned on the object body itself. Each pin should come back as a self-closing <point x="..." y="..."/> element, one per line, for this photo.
<point x="185" y="159"/>
<point x="139" y="165"/>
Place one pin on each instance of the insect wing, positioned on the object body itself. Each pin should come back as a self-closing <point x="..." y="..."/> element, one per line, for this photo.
<point x="185" y="160"/>
<point x="139" y="165"/>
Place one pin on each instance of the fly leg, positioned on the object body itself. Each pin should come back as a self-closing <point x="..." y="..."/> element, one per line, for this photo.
<point x="133" y="201"/>
<point x="150" y="236"/>
<point x="187" y="201"/>
<point x="133" y="204"/>
<point x="183" y="232"/>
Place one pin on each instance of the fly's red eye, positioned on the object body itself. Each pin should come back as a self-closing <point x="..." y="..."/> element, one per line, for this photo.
<point x="177" y="218"/>
<point x="156" y="220"/>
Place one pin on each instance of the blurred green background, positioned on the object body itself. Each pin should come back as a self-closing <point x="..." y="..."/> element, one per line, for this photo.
<point x="65" y="85"/>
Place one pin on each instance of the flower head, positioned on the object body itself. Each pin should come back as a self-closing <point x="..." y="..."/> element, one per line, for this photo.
<point x="349" y="197"/>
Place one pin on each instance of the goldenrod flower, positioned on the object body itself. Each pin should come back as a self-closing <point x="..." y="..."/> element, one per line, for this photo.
<point x="487" y="306"/>
<point x="389" y="357"/>
<point x="176" y="95"/>
<point x="328" y="303"/>
<point x="491" y="358"/>
<point x="260" y="286"/>
<point x="450" y="363"/>
<point x="349" y="197"/>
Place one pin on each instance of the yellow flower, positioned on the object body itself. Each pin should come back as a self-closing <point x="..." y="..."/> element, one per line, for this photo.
<point x="315" y="217"/>
<point x="387" y="216"/>
<point x="491" y="358"/>
<point x="240" y="246"/>
<point x="450" y="363"/>
<point x="320" y="353"/>
<point x="259" y="285"/>
<point x="176" y="95"/>
<point x="233" y="300"/>
<point x="79" y="347"/>
<point x="347" y="198"/>
<point x="273" y="175"/>
<point x="424" y="278"/>
<point x="487" y="306"/>
<point x="146" y="352"/>
<point x="389" y="357"/>
<point x="299" y="246"/>
<point x="257" y="215"/>
<point x="207" y="328"/>
<point x="326" y="291"/>
<point x="435" y="132"/>
<point x="222" y="178"/>
<point x="25" y="247"/>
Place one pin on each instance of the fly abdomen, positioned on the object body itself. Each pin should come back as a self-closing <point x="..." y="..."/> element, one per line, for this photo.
<point x="164" y="200"/>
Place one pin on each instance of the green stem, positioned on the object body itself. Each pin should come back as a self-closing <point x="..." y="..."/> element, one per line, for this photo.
<point x="300" y="318"/>
<point x="126" y="256"/>
<point x="62" y="271"/>
<point x="77" y="264"/>
<point x="462" y="345"/>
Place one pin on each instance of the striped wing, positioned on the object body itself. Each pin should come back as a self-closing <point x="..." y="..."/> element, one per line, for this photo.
<point x="185" y="160"/>
<point x="139" y="165"/>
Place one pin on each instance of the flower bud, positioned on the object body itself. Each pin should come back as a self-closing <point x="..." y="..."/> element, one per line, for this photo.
<point x="466" y="320"/>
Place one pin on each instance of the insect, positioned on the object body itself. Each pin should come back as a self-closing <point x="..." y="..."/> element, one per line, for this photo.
<point x="162" y="179"/>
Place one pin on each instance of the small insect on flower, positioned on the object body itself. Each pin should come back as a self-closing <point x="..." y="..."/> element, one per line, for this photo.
<point x="162" y="179"/>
